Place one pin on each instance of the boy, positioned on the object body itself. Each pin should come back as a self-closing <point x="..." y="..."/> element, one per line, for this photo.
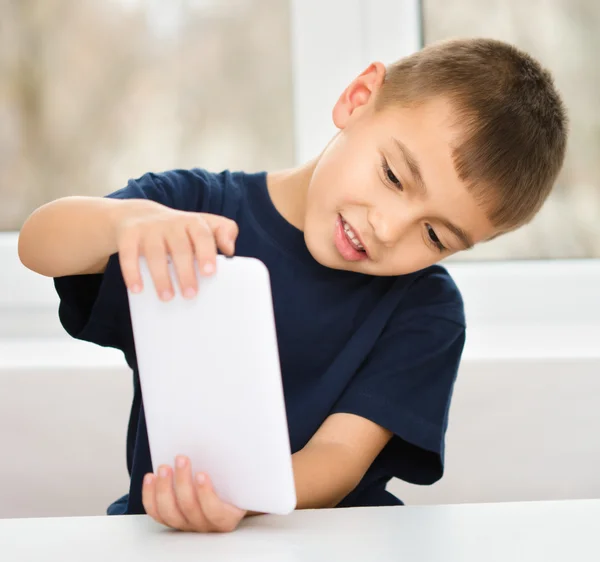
<point x="451" y="146"/>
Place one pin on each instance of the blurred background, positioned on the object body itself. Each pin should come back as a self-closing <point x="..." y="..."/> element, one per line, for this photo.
<point x="94" y="92"/>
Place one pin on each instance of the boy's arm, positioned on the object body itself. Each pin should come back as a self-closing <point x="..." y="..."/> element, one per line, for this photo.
<point x="78" y="235"/>
<point x="335" y="460"/>
<point x="74" y="235"/>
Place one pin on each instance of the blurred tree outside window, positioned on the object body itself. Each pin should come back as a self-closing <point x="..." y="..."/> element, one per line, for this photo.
<point x="95" y="92"/>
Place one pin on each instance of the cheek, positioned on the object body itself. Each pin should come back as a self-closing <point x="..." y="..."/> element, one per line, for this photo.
<point x="340" y="190"/>
<point x="410" y="254"/>
<point x="344" y="174"/>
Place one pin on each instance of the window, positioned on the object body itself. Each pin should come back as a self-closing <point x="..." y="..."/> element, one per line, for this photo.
<point x="250" y="84"/>
<point x="562" y="34"/>
<point x="94" y="93"/>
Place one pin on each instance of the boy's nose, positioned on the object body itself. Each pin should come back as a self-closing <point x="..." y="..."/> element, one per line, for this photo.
<point x="388" y="228"/>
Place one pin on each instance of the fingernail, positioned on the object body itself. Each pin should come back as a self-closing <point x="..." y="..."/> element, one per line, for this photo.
<point x="136" y="289"/>
<point x="148" y="479"/>
<point x="180" y="462"/>
<point x="208" y="268"/>
<point x="200" y="478"/>
<point x="166" y="295"/>
<point x="163" y="472"/>
<point x="189" y="293"/>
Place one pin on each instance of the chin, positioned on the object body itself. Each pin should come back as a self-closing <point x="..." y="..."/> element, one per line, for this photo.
<point x="321" y="252"/>
<point x="329" y="257"/>
<point x="317" y="251"/>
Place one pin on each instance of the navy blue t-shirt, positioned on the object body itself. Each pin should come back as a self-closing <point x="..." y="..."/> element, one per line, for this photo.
<point x="384" y="348"/>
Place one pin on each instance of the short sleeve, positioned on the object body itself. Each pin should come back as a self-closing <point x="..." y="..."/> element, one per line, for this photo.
<point x="95" y="308"/>
<point x="406" y="382"/>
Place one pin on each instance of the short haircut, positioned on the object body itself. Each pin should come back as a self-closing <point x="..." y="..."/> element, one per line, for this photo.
<point x="512" y="120"/>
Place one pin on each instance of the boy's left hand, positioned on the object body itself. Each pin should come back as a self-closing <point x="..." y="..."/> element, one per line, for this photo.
<point x="175" y="499"/>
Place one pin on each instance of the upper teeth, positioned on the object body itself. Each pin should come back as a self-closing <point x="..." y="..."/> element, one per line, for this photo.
<point x="353" y="238"/>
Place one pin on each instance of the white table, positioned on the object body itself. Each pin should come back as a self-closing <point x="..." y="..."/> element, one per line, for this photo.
<point x="532" y="532"/>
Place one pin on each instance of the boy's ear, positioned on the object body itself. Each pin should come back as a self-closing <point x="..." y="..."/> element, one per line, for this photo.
<point x="358" y="94"/>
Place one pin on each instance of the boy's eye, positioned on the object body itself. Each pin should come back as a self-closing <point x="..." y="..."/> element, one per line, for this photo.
<point x="434" y="238"/>
<point x="390" y="176"/>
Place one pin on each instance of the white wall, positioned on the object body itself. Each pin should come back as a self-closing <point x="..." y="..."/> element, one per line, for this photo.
<point x="62" y="437"/>
<point x="521" y="429"/>
<point x="525" y="418"/>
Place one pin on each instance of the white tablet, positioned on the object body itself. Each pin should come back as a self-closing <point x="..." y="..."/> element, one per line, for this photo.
<point x="211" y="383"/>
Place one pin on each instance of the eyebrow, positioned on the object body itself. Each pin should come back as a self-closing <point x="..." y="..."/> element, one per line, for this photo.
<point x="463" y="236"/>
<point x="415" y="170"/>
<point x="412" y="164"/>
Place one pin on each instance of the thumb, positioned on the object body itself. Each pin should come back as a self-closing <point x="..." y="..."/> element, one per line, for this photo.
<point x="225" y="232"/>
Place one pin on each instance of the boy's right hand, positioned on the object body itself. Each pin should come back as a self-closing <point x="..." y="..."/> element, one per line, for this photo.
<point x="162" y="232"/>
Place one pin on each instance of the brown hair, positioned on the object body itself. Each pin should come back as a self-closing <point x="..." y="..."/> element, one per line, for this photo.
<point x="513" y="120"/>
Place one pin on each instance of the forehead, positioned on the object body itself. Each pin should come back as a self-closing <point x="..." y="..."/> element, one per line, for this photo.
<point x="434" y="122"/>
<point x="430" y="131"/>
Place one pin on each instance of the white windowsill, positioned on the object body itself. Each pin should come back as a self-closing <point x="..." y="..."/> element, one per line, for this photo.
<point x="52" y="354"/>
<point x="502" y="343"/>
<point x="484" y="345"/>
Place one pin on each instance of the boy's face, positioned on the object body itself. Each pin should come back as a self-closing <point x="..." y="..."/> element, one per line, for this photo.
<point x="384" y="197"/>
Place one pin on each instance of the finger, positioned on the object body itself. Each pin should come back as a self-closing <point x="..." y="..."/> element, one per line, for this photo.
<point x="129" y="260"/>
<point x="222" y="517"/>
<point x="205" y="248"/>
<point x="180" y="248"/>
<point x="225" y="232"/>
<point x="149" y="497"/>
<point x="185" y="494"/>
<point x="155" y="251"/>
<point x="166" y="503"/>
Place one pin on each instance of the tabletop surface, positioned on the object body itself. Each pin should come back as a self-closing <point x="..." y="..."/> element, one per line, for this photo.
<point x="535" y="531"/>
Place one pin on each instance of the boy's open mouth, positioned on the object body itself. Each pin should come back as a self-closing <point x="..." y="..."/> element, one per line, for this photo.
<point x="348" y="242"/>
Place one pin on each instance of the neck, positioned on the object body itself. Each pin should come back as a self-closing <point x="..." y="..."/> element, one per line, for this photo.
<point x="288" y="190"/>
